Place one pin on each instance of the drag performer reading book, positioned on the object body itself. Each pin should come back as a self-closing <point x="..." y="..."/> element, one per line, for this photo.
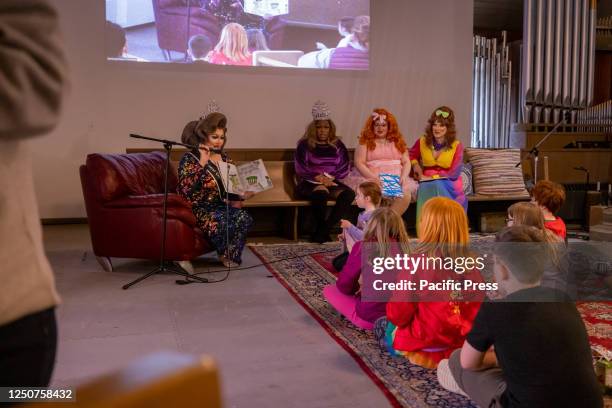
<point x="201" y="183"/>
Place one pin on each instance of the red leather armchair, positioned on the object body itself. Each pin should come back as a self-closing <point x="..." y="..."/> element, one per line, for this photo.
<point x="124" y="200"/>
<point x="171" y="23"/>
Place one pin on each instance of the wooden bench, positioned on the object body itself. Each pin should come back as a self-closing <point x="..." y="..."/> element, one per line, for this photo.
<point x="282" y="174"/>
<point x="280" y="166"/>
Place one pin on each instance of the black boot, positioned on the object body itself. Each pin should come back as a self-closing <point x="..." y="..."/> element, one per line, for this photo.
<point x="320" y="232"/>
<point x="342" y="209"/>
<point x="339" y="261"/>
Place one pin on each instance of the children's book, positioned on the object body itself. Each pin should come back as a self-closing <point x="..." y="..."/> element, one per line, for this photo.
<point x="251" y="176"/>
<point x="390" y="185"/>
<point x="433" y="179"/>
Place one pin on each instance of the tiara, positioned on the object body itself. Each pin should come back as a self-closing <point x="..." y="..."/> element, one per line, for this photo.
<point x="211" y="108"/>
<point x="320" y="111"/>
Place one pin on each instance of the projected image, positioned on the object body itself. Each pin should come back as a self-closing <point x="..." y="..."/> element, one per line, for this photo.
<point x="318" y="34"/>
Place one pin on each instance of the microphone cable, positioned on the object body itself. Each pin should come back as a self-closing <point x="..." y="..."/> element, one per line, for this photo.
<point x="185" y="282"/>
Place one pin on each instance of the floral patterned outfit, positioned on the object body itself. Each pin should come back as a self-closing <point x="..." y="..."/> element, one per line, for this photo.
<point x="203" y="188"/>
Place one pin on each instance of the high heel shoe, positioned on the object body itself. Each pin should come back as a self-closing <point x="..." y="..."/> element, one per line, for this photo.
<point x="228" y="263"/>
<point x="187" y="266"/>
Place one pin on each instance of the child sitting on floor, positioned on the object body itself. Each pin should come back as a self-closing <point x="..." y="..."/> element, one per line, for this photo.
<point x="550" y="196"/>
<point x="426" y="326"/>
<point x="556" y="271"/>
<point x="541" y="355"/>
<point x="368" y="198"/>
<point x="385" y="229"/>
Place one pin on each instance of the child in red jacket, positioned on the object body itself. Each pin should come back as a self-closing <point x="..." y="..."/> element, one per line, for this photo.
<point x="422" y="325"/>
<point x="550" y="196"/>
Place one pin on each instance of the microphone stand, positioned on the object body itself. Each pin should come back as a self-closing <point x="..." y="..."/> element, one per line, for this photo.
<point x="534" y="152"/>
<point x="163" y="265"/>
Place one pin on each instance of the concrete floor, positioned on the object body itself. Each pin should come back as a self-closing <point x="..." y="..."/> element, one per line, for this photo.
<point x="269" y="350"/>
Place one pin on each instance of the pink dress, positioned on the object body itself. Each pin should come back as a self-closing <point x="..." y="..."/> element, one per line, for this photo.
<point x="385" y="158"/>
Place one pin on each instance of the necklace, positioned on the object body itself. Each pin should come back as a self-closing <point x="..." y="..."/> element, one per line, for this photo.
<point x="438" y="146"/>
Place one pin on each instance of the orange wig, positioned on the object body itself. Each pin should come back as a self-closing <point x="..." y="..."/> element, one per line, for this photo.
<point x="443" y="227"/>
<point x="394" y="135"/>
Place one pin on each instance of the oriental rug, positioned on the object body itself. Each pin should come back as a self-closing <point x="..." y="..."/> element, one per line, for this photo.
<point x="304" y="269"/>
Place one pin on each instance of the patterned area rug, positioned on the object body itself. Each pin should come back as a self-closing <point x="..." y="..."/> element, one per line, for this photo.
<point x="597" y="317"/>
<point x="304" y="269"/>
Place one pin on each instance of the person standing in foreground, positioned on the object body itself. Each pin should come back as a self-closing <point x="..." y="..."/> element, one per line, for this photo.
<point x="32" y="75"/>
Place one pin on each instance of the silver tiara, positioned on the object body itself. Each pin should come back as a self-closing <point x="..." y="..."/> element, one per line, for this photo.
<point x="211" y="108"/>
<point x="320" y="111"/>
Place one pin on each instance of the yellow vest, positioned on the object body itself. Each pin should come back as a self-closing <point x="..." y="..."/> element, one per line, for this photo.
<point x="444" y="160"/>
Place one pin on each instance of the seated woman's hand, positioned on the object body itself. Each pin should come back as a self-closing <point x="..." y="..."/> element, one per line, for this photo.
<point x="248" y="194"/>
<point x="327" y="182"/>
<point x="204" y="155"/>
<point x="417" y="171"/>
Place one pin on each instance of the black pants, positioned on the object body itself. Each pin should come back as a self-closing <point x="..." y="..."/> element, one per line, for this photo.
<point x="27" y="350"/>
<point x="344" y="197"/>
<point x="339" y="261"/>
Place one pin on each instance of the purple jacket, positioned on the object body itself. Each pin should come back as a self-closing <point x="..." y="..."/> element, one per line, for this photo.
<point x="358" y="231"/>
<point x="349" y="58"/>
<point x="348" y="283"/>
<point x="322" y="159"/>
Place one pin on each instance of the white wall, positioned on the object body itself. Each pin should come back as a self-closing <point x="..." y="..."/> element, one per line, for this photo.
<point x="421" y="58"/>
